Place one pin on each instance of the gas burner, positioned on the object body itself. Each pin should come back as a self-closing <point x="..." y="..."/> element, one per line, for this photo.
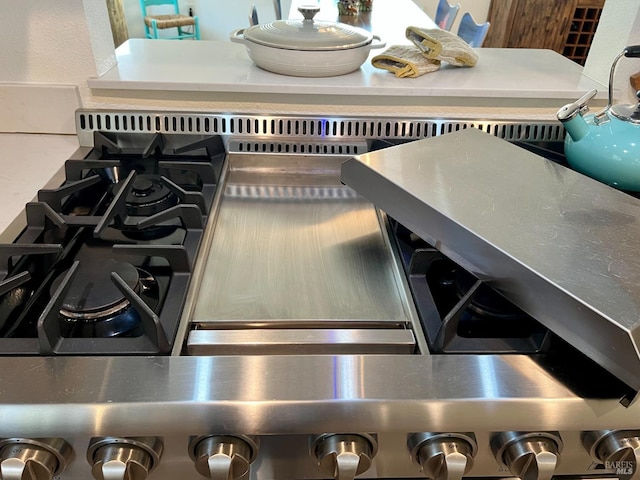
<point x="460" y="314"/>
<point x="145" y="195"/>
<point x="93" y="296"/>
<point x="485" y="313"/>
<point x="149" y="195"/>
<point x="95" y="308"/>
<point x="486" y="302"/>
<point x="135" y="197"/>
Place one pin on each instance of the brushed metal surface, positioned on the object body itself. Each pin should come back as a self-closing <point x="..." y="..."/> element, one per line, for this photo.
<point x="280" y="394"/>
<point x="560" y="245"/>
<point x="291" y="242"/>
<point x="300" y="341"/>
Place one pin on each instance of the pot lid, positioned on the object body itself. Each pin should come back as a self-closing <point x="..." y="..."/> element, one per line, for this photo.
<point x="308" y="34"/>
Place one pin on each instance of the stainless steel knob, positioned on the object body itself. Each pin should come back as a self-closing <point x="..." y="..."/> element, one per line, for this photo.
<point x="443" y="456"/>
<point x="130" y="458"/>
<point x="29" y="459"/>
<point x="223" y="457"/>
<point x="528" y="455"/>
<point x="618" y="450"/>
<point x="343" y="456"/>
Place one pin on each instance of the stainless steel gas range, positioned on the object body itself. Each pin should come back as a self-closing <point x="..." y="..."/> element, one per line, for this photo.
<point x="200" y="295"/>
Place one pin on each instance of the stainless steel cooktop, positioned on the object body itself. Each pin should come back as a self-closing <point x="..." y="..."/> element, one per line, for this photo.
<point x="301" y="350"/>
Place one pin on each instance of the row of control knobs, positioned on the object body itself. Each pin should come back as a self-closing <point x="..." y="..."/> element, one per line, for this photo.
<point x="527" y="455"/>
<point x="442" y="456"/>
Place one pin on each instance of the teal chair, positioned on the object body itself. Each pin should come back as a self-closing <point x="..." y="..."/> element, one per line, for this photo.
<point x="471" y="32"/>
<point x="446" y="14"/>
<point x="186" y="26"/>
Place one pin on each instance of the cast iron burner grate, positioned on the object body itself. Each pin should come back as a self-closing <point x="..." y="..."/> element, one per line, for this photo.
<point x="458" y="312"/>
<point x="105" y="261"/>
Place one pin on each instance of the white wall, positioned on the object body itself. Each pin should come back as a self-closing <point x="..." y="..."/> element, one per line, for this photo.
<point x="623" y="18"/>
<point x="53" y="41"/>
<point x="49" y="49"/>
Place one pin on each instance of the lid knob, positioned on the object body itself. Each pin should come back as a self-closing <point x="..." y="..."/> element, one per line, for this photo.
<point x="308" y="11"/>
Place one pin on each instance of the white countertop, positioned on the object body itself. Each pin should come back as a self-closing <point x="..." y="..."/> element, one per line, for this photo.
<point x="214" y="66"/>
<point x="29" y="162"/>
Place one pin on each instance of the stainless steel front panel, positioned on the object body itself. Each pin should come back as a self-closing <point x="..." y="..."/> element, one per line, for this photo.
<point x="562" y="246"/>
<point x="292" y="243"/>
<point x="280" y="394"/>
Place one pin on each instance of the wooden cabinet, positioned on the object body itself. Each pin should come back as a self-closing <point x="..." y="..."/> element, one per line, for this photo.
<point x="566" y="26"/>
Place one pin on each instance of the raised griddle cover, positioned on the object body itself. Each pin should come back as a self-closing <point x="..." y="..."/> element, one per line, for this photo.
<point x="563" y="247"/>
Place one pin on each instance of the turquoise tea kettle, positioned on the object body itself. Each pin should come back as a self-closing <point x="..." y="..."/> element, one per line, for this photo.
<point x="605" y="146"/>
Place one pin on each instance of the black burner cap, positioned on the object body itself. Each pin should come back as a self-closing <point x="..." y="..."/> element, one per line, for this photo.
<point x="142" y="185"/>
<point x="149" y="195"/>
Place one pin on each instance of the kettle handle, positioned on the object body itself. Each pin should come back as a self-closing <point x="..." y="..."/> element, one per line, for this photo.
<point x="632" y="51"/>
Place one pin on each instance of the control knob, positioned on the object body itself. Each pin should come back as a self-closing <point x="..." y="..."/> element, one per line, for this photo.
<point x="33" y="459"/>
<point x="616" y="449"/>
<point x="343" y="456"/>
<point x="223" y="457"/>
<point x="443" y="456"/>
<point x="528" y="455"/>
<point x="130" y="458"/>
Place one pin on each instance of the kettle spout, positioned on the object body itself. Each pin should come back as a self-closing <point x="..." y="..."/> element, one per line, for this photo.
<point x="571" y="116"/>
<point x="576" y="127"/>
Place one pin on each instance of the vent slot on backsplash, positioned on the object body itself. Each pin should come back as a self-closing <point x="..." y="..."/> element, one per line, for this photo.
<point x="305" y="135"/>
<point x="293" y="146"/>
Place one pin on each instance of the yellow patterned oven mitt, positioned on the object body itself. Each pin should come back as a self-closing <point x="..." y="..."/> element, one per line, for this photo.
<point x="405" y="61"/>
<point x="437" y="44"/>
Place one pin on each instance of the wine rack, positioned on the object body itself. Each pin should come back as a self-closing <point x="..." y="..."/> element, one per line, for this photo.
<point x="583" y="27"/>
